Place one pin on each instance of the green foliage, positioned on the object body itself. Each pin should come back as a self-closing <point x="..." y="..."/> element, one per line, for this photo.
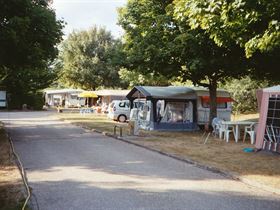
<point x="252" y="25"/>
<point x="89" y="59"/>
<point x="134" y="78"/>
<point x="149" y="35"/>
<point x="29" y="33"/>
<point x="34" y="101"/>
<point x="243" y="91"/>
<point x="157" y="43"/>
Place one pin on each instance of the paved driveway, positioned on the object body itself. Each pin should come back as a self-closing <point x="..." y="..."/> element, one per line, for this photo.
<point x="69" y="168"/>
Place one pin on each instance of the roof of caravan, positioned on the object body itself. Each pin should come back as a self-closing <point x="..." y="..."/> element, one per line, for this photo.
<point x="111" y="92"/>
<point x="59" y="91"/>
<point x="272" y="89"/>
<point x="170" y="92"/>
<point x="201" y="91"/>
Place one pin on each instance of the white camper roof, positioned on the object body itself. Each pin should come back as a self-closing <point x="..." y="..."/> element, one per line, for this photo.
<point x="202" y="91"/>
<point x="61" y="91"/>
<point x="273" y="89"/>
<point x="111" y="92"/>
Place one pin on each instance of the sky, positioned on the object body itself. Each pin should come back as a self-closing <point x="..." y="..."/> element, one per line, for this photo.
<point x="82" y="14"/>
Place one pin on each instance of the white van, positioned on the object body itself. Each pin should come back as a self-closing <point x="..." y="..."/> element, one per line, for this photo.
<point x="120" y="109"/>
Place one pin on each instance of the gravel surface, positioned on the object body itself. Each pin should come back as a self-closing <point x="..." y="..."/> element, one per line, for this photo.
<point x="70" y="168"/>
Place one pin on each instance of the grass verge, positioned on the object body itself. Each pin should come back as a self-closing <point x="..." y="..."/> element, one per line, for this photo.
<point x="11" y="186"/>
<point x="262" y="167"/>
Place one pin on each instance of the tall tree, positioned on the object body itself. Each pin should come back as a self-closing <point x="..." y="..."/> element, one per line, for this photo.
<point x="29" y="33"/>
<point x="149" y="36"/>
<point x="158" y="42"/>
<point x="89" y="59"/>
<point x="252" y="25"/>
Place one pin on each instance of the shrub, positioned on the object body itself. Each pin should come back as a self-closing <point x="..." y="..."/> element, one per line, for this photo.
<point x="243" y="91"/>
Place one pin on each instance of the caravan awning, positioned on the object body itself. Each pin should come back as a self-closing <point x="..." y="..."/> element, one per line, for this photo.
<point x="219" y="99"/>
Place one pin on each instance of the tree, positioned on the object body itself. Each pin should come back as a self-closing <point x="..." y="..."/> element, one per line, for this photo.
<point x="89" y="59"/>
<point x="158" y="43"/>
<point x="29" y="33"/>
<point x="134" y="78"/>
<point x="252" y="25"/>
<point x="206" y="64"/>
<point x="149" y="35"/>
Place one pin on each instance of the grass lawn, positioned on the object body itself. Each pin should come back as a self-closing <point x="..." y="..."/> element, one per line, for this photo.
<point x="263" y="167"/>
<point x="11" y="186"/>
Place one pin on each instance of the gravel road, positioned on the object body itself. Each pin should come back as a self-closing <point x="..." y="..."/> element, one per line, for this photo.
<point x="70" y="168"/>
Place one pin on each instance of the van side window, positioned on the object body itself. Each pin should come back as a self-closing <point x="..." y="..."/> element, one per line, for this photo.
<point x="124" y="104"/>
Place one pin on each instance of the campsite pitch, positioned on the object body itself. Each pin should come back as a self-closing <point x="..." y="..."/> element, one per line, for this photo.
<point x="264" y="168"/>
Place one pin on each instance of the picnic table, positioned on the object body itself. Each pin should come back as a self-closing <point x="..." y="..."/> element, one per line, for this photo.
<point x="237" y="125"/>
<point x="86" y="110"/>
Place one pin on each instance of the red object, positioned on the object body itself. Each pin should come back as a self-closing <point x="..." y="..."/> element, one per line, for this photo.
<point x="219" y="99"/>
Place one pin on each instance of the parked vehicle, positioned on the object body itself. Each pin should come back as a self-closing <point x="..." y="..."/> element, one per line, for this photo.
<point x="120" y="109"/>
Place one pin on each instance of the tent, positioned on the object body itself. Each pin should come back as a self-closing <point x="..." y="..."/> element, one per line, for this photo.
<point x="268" y="130"/>
<point x="165" y="108"/>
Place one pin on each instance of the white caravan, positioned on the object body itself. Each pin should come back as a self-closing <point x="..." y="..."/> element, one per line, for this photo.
<point x="64" y="97"/>
<point x="3" y="99"/>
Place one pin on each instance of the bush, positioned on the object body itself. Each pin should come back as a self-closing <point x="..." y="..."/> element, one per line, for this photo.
<point x="243" y="91"/>
<point x="34" y="101"/>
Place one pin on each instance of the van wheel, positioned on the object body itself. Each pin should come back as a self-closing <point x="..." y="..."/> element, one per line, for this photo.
<point x="122" y="118"/>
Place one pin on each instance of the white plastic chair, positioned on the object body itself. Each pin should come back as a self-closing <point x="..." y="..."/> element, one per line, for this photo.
<point x="216" y="124"/>
<point x="251" y="131"/>
<point x="226" y="130"/>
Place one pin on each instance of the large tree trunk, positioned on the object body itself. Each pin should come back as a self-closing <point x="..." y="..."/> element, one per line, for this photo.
<point x="213" y="100"/>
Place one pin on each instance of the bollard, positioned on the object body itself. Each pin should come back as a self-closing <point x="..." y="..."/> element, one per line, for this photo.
<point x="115" y="130"/>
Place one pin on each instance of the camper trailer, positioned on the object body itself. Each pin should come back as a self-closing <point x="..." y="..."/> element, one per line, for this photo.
<point x="3" y="99"/>
<point x="176" y="107"/>
<point x="224" y="105"/>
<point x="64" y="97"/>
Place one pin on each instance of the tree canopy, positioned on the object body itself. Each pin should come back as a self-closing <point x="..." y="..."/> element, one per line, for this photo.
<point x="29" y="34"/>
<point x="252" y="25"/>
<point x="89" y="59"/>
<point x="149" y="35"/>
<point x="134" y="78"/>
<point x="157" y="42"/>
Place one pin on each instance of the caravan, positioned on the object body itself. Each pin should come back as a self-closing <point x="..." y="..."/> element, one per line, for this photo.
<point x="64" y="97"/>
<point x="176" y="108"/>
<point x="3" y="99"/>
